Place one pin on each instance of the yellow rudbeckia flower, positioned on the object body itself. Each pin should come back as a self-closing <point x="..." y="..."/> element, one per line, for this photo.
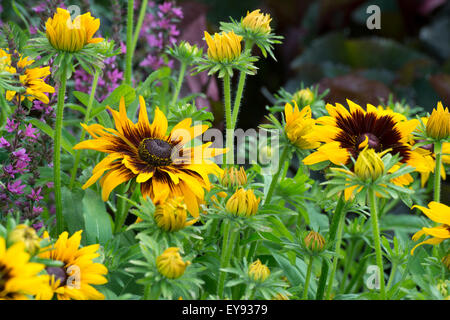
<point x="69" y="35"/>
<point x="440" y="213"/>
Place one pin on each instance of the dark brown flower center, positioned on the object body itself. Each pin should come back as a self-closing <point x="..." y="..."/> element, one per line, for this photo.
<point x="373" y="142"/>
<point x="155" y="152"/>
<point x="59" y="274"/>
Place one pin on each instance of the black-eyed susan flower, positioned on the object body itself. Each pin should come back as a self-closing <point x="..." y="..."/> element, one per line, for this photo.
<point x="171" y="215"/>
<point x="33" y="80"/>
<point x="258" y="272"/>
<point x="19" y="278"/>
<point x="27" y="235"/>
<point x="298" y="126"/>
<point x="257" y="22"/>
<point x="161" y="163"/>
<point x="440" y="213"/>
<point x="74" y="279"/>
<point x="69" y="35"/>
<point x="314" y="241"/>
<point x="344" y="134"/>
<point x="170" y="263"/>
<point x="438" y="124"/>
<point x="243" y="203"/>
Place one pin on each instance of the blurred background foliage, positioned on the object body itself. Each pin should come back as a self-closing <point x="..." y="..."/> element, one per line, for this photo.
<point x="326" y="43"/>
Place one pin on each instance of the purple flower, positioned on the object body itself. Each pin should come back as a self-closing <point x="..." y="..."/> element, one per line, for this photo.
<point x="21" y="154"/>
<point x="31" y="132"/>
<point x="21" y="166"/>
<point x="16" y="187"/>
<point x="11" y="126"/>
<point x="36" y="194"/>
<point x="37" y="226"/>
<point x="37" y="210"/>
<point x="4" y="143"/>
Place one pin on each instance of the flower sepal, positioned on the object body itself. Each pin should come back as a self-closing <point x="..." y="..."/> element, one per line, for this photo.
<point x="243" y="63"/>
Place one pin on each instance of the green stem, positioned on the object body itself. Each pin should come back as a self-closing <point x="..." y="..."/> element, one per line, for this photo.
<point x="437" y="171"/>
<point x="391" y="276"/>
<point x="129" y="54"/>
<point x="139" y="25"/>
<point x="229" y="124"/>
<point x="307" y="279"/>
<point x="376" y="239"/>
<point x="121" y="209"/>
<point x="179" y="82"/>
<point x="150" y="294"/>
<point x="83" y="132"/>
<point x="337" y="249"/>
<point x="240" y="89"/>
<point x="227" y="248"/>
<point x="274" y="181"/>
<point x="348" y="261"/>
<point x="57" y="152"/>
<point x="331" y="236"/>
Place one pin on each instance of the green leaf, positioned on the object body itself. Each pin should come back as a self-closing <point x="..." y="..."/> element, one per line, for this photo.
<point x="66" y="145"/>
<point x="123" y="90"/>
<point x="73" y="210"/>
<point x="97" y="220"/>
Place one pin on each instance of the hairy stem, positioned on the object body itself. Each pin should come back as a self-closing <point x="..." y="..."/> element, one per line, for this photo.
<point x="57" y="152"/>
<point x="129" y="54"/>
<point x="376" y="240"/>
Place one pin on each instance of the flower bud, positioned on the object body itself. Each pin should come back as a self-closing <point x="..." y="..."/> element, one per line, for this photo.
<point x="258" y="271"/>
<point x="233" y="177"/>
<point x="171" y="215"/>
<point x="438" y="124"/>
<point x="314" y="241"/>
<point x="369" y="165"/>
<point x="170" y="264"/>
<point x="69" y="35"/>
<point x="304" y="97"/>
<point x="243" y="203"/>
<point x="257" y="22"/>
<point x="27" y="235"/>
<point x="223" y="47"/>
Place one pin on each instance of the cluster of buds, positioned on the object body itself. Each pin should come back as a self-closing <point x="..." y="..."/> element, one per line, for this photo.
<point x="170" y="264"/>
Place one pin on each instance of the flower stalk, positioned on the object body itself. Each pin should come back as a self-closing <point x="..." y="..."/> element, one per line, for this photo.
<point x="230" y="234"/>
<point x="283" y="158"/>
<point x="129" y="54"/>
<point x="179" y="83"/>
<point x="308" y="278"/>
<point x="229" y="124"/>
<point x="437" y="171"/>
<point x="376" y="239"/>
<point x="57" y="151"/>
